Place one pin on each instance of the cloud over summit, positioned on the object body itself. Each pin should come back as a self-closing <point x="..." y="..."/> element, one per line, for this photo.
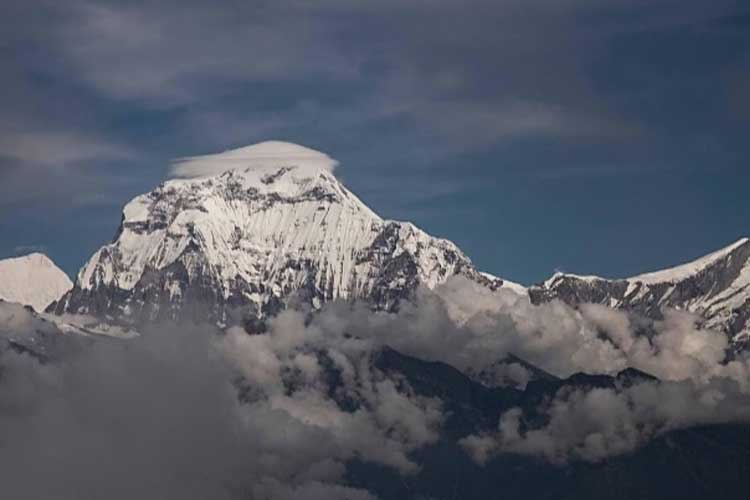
<point x="267" y="154"/>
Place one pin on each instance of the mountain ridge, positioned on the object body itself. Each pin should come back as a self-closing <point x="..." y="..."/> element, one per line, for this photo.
<point x="716" y="287"/>
<point x="254" y="237"/>
<point x="252" y="229"/>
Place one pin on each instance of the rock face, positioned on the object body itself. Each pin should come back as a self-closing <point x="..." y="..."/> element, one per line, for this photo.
<point x="254" y="237"/>
<point x="32" y="280"/>
<point x="716" y="287"/>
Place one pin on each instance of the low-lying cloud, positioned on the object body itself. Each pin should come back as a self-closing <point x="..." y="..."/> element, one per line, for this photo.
<point x="182" y="412"/>
<point x="188" y="412"/>
<point x="593" y="424"/>
<point x="472" y="328"/>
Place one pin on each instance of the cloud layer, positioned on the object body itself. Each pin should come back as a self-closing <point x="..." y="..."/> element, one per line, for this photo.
<point x="184" y="412"/>
<point x="597" y="423"/>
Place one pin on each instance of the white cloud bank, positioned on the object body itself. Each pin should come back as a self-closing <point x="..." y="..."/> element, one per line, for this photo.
<point x="312" y="399"/>
<point x="167" y="403"/>
<point x="593" y="424"/>
<point x="266" y="154"/>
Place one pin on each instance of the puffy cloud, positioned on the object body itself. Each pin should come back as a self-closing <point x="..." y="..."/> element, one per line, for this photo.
<point x="678" y="349"/>
<point x="471" y="327"/>
<point x="289" y="371"/>
<point x="701" y="383"/>
<point x="159" y="416"/>
<point x="476" y="329"/>
<point x="311" y="399"/>
<point x="596" y="423"/>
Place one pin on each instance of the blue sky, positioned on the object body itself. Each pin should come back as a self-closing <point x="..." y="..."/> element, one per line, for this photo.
<point x="605" y="137"/>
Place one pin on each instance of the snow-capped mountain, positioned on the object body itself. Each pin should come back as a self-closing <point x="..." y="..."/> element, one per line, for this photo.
<point x="32" y="280"/>
<point x="253" y="228"/>
<point x="273" y="223"/>
<point x="716" y="287"/>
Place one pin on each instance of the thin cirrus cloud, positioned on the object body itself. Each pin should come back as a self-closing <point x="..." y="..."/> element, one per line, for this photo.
<point x="149" y="54"/>
<point x="58" y="148"/>
<point x="54" y="167"/>
<point x="471" y="79"/>
<point x="465" y="77"/>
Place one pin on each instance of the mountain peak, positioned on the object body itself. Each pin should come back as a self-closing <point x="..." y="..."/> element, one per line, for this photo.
<point x="32" y="280"/>
<point x="251" y="228"/>
<point x="36" y="258"/>
<point x="267" y="155"/>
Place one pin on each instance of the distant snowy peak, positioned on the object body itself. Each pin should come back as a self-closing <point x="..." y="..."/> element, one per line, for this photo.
<point x="32" y="280"/>
<point x="252" y="238"/>
<point x="670" y="275"/>
<point x="685" y="271"/>
<point x="717" y="287"/>
<point x="559" y="277"/>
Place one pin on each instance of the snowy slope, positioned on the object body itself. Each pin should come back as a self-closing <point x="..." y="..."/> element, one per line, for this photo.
<point x="717" y="287"/>
<point x="274" y="228"/>
<point x="686" y="271"/>
<point x="32" y="280"/>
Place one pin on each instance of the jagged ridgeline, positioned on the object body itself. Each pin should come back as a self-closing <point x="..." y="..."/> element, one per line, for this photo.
<point x="245" y="232"/>
<point x="716" y="287"/>
<point x="274" y="224"/>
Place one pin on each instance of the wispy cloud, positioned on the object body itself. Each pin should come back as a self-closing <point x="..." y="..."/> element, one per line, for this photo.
<point x="175" y="53"/>
<point x="58" y="148"/>
<point x="472" y="76"/>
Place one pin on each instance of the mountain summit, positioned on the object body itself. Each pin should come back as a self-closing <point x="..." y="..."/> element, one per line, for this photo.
<point x="32" y="280"/>
<point x="272" y="224"/>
